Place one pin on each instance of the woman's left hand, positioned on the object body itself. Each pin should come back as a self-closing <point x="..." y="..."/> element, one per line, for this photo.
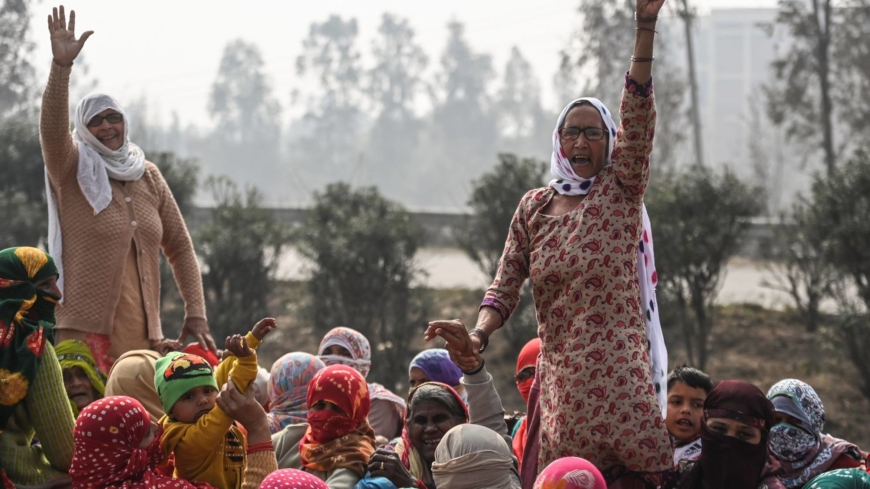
<point x="648" y="9"/>
<point x="384" y="463"/>
<point x="198" y="328"/>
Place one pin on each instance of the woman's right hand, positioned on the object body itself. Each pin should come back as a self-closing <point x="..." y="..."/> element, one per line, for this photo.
<point x="64" y="45"/>
<point x="461" y="346"/>
<point x="385" y="463"/>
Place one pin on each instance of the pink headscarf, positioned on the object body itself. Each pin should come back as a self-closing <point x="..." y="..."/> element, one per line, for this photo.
<point x="570" y="473"/>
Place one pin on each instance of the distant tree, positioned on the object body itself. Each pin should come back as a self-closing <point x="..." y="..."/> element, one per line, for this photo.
<point x="523" y="124"/>
<point x="839" y="208"/>
<point x="800" y="95"/>
<point x="16" y="71"/>
<point x="700" y="219"/>
<point x="393" y="85"/>
<point x="851" y="43"/>
<point x="244" y="143"/>
<point x="331" y="59"/>
<point x="22" y="190"/>
<point x="464" y="130"/>
<point x="239" y="249"/>
<point x="362" y="249"/>
<point x="494" y="198"/>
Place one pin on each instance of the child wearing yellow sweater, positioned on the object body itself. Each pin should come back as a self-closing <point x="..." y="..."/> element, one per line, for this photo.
<point x="208" y="446"/>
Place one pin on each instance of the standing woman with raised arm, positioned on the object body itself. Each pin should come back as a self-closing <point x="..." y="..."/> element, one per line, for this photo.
<point x="110" y="214"/>
<point x="584" y="242"/>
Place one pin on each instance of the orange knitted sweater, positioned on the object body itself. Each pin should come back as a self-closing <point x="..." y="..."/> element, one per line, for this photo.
<point x="142" y="214"/>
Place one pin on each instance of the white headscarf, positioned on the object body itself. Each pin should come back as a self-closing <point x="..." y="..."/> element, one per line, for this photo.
<point x="96" y="165"/>
<point x="566" y="182"/>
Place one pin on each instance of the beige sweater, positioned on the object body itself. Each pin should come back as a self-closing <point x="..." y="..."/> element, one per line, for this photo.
<point x="142" y="214"/>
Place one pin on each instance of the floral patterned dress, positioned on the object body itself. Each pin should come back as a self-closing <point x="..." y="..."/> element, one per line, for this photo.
<point x="597" y="398"/>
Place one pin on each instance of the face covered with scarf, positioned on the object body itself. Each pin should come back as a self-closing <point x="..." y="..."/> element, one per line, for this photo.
<point x="526" y="362"/>
<point x="734" y="434"/>
<point x="797" y="440"/>
<point x="338" y="434"/>
<point x="471" y="456"/>
<point x="345" y="346"/>
<point x="288" y="389"/>
<point x="570" y="473"/>
<point x="117" y="445"/>
<point x="82" y="379"/>
<point x="28" y="296"/>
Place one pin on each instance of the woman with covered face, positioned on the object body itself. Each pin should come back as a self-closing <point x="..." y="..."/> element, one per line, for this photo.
<point x="110" y="214"/>
<point x="585" y="243"/>
<point x="797" y="440"/>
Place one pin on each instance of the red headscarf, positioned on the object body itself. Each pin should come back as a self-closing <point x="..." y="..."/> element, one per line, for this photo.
<point x="338" y="440"/>
<point x="528" y="358"/>
<point x="107" y="454"/>
<point x="195" y="349"/>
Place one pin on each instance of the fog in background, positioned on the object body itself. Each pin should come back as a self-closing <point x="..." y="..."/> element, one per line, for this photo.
<point x="416" y="99"/>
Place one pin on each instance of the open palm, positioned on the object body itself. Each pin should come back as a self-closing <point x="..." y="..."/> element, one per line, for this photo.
<point x="648" y="9"/>
<point x="64" y="45"/>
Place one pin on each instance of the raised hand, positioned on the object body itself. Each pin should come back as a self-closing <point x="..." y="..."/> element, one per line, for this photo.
<point x="460" y="345"/>
<point x="648" y="9"/>
<point x="263" y="327"/>
<point x="238" y="346"/>
<point x="64" y="45"/>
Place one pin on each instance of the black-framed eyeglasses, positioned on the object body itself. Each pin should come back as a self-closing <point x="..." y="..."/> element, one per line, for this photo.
<point x="525" y="374"/>
<point x="571" y="133"/>
<point x="115" y="118"/>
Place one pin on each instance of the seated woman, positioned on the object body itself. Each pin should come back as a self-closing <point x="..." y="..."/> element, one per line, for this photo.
<point x="433" y="410"/>
<point x="570" y="473"/>
<point x="797" y="441"/>
<point x="345" y="346"/>
<point x="133" y="375"/>
<point x="288" y="389"/>
<point x="33" y="403"/>
<point x="82" y="379"/>
<point x="435" y="365"/>
<point x="118" y="445"/>
<point x="735" y="430"/>
<point x="337" y="441"/>
<point x="471" y="456"/>
<point x="841" y="479"/>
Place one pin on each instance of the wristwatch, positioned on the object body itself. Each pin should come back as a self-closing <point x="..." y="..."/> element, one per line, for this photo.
<point x="484" y="338"/>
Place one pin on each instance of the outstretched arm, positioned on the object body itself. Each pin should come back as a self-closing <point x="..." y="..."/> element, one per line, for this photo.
<point x="58" y="150"/>
<point x="646" y="14"/>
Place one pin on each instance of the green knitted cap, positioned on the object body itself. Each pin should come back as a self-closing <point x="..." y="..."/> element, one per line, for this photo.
<point x="177" y="373"/>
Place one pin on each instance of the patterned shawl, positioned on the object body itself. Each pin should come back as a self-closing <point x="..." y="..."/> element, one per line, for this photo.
<point x="570" y="473"/>
<point x="26" y="322"/>
<point x="288" y="389"/>
<point x="107" y="434"/>
<point x="338" y="440"/>
<point x="75" y="353"/>
<point x="292" y="479"/>
<point x="566" y="182"/>
<point x="841" y="479"/>
<point x="803" y="451"/>
<point x="354" y="342"/>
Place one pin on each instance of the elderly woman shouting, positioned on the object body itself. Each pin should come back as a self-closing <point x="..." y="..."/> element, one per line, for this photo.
<point x="110" y="214"/>
<point x="580" y="241"/>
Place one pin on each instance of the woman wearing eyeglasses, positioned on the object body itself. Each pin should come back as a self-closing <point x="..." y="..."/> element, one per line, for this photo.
<point x="585" y="244"/>
<point x="110" y="214"/>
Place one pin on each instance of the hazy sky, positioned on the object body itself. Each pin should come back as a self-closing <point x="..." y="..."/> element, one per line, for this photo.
<point x="169" y="51"/>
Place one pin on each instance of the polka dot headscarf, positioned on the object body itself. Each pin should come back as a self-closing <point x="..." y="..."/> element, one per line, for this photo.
<point x="292" y="479"/>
